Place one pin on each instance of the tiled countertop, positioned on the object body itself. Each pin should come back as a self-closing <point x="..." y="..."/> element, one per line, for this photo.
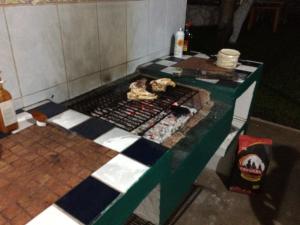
<point x="167" y="66"/>
<point x="69" y="172"/>
<point x="40" y="165"/>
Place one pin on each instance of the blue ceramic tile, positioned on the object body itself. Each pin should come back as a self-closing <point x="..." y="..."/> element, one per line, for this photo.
<point x="228" y="83"/>
<point x="155" y="67"/>
<point x="174" y="59"/>
<point x="3" y="135"/>
<point x="86" y="201"/>
<point x="145" y="151"/>
<point x="50" y="109"/>
<point x="92" y="128"/>
<point x="193" y="53"/>
<point x="241" y="75"/>
<point x="246" y="73"/>
<point x="19" y="111"/>
<point x="250" y="63"/>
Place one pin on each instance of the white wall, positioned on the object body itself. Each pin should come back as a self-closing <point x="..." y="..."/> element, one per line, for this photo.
<point x="60" y="51"/>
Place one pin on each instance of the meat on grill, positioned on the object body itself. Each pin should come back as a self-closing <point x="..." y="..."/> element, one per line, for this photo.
<point x="138" y="91"/>
<point x="160" y="85"/>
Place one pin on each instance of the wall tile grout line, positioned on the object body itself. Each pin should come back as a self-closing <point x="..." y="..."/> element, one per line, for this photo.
<point x="63" y="51"/>
<point x="148" y="24"/>
<point x="99" y="41"/>
<point x="126" y="38"/>
<point x="64" y="89"/>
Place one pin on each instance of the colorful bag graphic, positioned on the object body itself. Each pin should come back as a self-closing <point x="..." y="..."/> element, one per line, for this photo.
<point x="252" y="164"/>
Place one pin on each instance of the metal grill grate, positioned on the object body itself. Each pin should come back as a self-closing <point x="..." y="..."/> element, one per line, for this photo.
<point x="112" y="105"/>
<point x="135" y="220"/>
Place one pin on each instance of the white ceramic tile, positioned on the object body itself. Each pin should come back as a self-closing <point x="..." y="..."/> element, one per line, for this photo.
<point x="117" y="139"/>
<point x="112" y="30"/>
<point x="80" y="38"/>
<point x="202" y="56"/>
<point x="157" y="24"/>
<point x="37" y="46"/>
<point x="137" y="29"/>
<point x="120" y="173"/>
<point x="84" y="84"/>
<point x="53" y="215"/>
<point x="113" y="74"/>
<point x="23" y="121"/>
<point x="213" y="81"/>
<point x="176" y="13"/>
<point x="6" y="60"/>
<point x="170" y="70"/>
<point x="247" y="68"/>
<point x="57" y="94"/>
<point x="18" y="103"/>
<point x="238" y="122"/>
<point x="69" y="119"/>
<point x="186" y="57"/>
<point x="165" y="62"/>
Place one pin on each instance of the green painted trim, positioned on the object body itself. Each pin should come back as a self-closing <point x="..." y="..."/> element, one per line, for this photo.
<point x="176" y="187"/>
<point x="122" y="208"/>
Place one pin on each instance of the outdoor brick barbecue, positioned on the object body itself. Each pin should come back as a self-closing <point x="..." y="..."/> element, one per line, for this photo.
<point x="95" y="161"/>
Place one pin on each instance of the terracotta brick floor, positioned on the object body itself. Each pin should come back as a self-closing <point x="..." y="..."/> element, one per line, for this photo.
<point x="40" y="165"/>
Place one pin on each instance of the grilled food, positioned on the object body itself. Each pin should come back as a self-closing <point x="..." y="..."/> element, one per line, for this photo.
<point x="138" y="91"/>
<point x="160" y="85"/>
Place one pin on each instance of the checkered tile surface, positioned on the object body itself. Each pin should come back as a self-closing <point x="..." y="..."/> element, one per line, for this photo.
<point x="166" y="66"/>
<point x="133" y="157"/>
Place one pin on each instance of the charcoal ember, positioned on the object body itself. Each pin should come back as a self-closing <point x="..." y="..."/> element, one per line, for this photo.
<point x="168" y="126"/>
<point x="179" y="111"/>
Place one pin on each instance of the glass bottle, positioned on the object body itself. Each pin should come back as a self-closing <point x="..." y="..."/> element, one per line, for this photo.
<point x="187" y="38"/>
<point x="8" y="118"/>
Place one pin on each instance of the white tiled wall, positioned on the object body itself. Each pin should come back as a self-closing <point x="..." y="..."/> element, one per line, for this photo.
<point x="80" y="38"/>
<point x="112" y="31"/>
<point x="137" y="29"/>
<point x="157" y="24"/>
<point x="60" y="51"/>
<point x="37" y="48"/>
<point x="7" y="65"/>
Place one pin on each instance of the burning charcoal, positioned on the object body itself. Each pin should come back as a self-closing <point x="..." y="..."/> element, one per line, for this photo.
<point x="179" y="111"/>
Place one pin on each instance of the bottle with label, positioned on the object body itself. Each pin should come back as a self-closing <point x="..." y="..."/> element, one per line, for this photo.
<point x="8" y="118"/>
<point x="179" y="41"/>
<point x="187" y="38"/>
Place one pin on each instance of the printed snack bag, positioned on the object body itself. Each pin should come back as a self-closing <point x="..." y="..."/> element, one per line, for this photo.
<point x="251" y="165"/>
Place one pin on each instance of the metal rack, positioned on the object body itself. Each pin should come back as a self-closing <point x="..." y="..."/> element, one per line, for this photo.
<point x="112" y="105"/>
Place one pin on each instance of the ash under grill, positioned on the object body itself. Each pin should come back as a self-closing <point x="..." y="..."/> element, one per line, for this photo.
<point x="112" y="105"/>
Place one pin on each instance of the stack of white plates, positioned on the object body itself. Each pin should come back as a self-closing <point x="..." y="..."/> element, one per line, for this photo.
<point x="228" y="58"/>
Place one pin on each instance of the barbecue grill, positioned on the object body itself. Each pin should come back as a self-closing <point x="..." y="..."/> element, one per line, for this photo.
<point x="199" y="118"/>
<point x="203" y="130"/>
<point x="111" y="104"/>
